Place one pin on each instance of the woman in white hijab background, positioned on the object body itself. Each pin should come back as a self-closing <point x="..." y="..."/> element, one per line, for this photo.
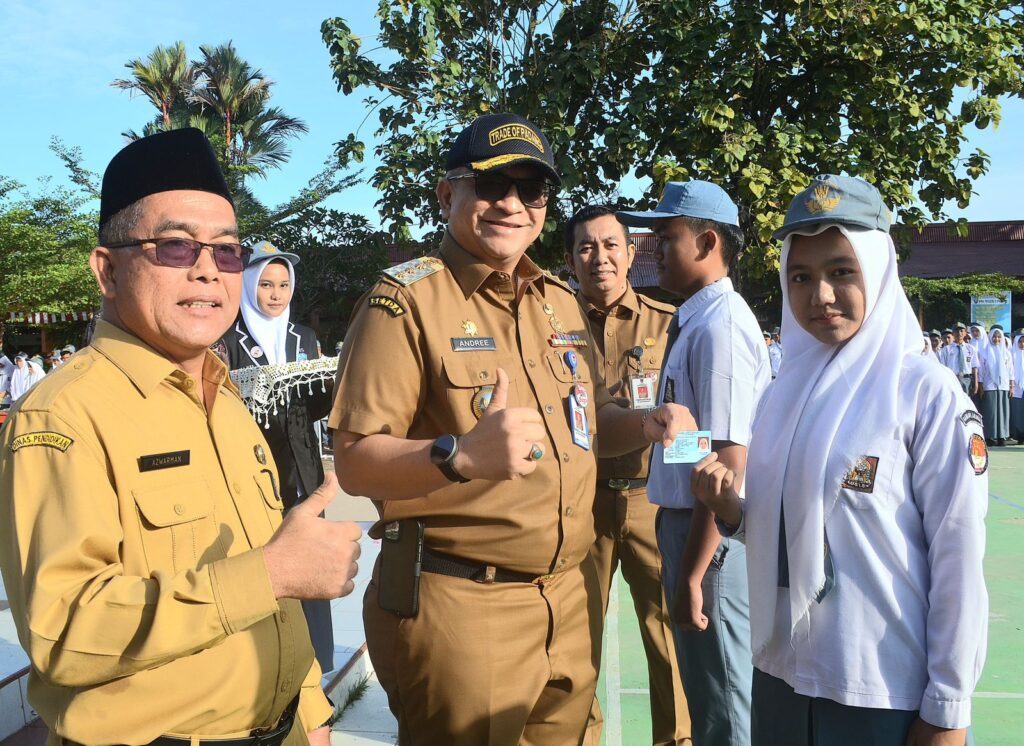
<point x="866" y="492"/>
<point x="995" y="368"/>
<point x="1017" y="399"/>
<point x="27" y="373"/>
<point x="264" y="334"/>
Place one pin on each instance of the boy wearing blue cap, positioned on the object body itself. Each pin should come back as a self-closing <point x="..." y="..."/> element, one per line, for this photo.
<point x="717" y="366"/>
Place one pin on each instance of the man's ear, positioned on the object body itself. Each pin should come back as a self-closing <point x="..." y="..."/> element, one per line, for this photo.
<point x="630" y="255"/>
<point x="102" y="265"/>
<point x="707" y="242"/>
<point x="569" y="263"/>
<point x="444" y="197"/>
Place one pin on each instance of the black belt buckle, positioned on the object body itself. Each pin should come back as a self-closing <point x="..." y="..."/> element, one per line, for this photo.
<point x="618" y="484"/>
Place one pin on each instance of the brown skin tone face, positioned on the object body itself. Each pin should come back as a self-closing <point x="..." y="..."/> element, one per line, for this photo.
<point x="178" y="312"/>
<point x="826" y="286"/>
<point x="601" y="257"/>
<point x="687" y="260"/>
<point x="497" y="233"/>
<point x="274" y="290"/>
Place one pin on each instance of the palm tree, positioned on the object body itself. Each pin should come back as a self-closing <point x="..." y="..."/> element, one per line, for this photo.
<point x="263" y="132"/>
<point x="165" y="77"/>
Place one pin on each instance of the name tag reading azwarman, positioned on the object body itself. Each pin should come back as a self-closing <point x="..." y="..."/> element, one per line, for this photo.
<point x="472" y="344"/>
<point x="164" y="460"/>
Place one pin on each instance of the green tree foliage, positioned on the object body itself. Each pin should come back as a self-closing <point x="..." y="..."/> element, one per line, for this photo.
<point x="45" y="241"/>
<point x="758" y="95"/>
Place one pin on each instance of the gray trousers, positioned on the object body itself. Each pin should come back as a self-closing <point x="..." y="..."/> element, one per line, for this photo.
<point x="715" y="665"/>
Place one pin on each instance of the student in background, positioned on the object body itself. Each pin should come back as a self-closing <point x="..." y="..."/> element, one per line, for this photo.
<point x="997" y="382"/>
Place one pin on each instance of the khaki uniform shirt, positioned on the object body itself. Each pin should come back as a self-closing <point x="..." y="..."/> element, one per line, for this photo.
<point x="413" y="361"/>
<point x="636" y="321"/>
<point x="129" y="521"/>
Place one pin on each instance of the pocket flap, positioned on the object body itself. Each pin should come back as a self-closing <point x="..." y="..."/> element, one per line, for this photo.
<point x="176" y="503"/>
<point x="469" y="370"/>
<point x="560" y="369"/>
<point x="267" y="483"/>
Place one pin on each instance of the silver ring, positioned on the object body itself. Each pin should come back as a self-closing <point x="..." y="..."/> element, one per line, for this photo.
<point x="536" y="452"/>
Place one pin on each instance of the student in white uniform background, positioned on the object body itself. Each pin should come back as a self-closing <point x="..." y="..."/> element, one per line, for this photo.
<point x="716" y="365"/>
<point x="997" y="383"/>
<point x="866" y="493"/>
<point x="1017" y="400"/>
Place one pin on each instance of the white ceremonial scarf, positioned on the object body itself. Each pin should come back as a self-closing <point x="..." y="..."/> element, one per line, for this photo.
<point x="829" y="404"/>
<point x="270" y="333"/>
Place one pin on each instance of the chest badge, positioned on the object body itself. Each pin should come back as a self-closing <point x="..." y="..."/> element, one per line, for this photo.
<point x="649" y="341"/>
<point x="978" y="453"/>
<point x="862" y="476"/>
<point x="469" y="328"/>
<point x="256" y="351"/>
<point x="261" y="455"/>
<point x="482" y="400"/>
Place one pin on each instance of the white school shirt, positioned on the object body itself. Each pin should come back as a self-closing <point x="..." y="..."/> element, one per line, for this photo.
<point x="775" y="359"/>
<point x="718" y="368"/>
<point x="996" y="377"/>
<point x="906" y="625"/>
<point x="959" y="358"/>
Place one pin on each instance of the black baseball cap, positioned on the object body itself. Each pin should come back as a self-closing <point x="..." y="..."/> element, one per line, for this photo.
<point x="496" y="141"/>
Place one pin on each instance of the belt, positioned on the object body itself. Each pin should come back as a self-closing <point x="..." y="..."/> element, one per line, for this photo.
<point x="259" y="737"/>
<point x="627" y="484"/>
<point x="456" y="567"/>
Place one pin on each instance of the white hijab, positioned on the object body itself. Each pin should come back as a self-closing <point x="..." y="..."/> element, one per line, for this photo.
<point x="996" y="360"/>
<point x="24" y="378"/>
<point x="270" y="333"/>
<point x="1017" y="357"/>
<point x="842" y="399"/>
<point x="981" y="342"/>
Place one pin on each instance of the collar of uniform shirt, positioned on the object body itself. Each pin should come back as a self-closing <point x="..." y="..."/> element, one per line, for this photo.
<point x="627" y="303"/>
<point x="471" y="273"/>
<point x="702" y="297"/>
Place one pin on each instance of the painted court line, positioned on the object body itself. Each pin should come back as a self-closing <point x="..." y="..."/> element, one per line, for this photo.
<point x="613" y="678"/>
<point x="998" y="695"/>
<point x="1007" y="502"/>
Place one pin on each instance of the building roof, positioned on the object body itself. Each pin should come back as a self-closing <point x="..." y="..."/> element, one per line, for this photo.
<point x="988" y="247"/>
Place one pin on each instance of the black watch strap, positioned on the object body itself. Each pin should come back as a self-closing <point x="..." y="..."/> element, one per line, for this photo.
<point x="442" y="453"/>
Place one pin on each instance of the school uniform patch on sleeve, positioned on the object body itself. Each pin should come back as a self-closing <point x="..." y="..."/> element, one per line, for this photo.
<point x="49" y="439"/>
<point x="978" y="453"/>
<point x="862" y="476"/>
<point x="969" y="415"/>
<point x="387" y="303"/>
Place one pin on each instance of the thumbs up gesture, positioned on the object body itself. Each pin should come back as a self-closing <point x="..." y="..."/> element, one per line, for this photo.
<point x="505" y="442"/>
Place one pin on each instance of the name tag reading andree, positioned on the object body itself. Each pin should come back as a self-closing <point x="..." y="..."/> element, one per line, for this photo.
<point x="164" y="460"/>
<point x="472" y="344"/>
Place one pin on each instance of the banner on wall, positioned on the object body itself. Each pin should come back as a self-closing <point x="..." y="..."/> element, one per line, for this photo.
<point x="991" y="309"/>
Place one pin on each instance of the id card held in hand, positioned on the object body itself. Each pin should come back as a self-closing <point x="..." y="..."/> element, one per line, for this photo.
<point x="689" y="448"/>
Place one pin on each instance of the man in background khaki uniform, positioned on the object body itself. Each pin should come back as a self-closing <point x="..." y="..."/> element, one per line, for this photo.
<point x="468" y="398"/>
<point x="150" y="576"/>
<point x="630" y="333"/>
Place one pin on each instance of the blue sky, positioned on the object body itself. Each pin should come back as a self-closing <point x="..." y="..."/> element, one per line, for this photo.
<point x="59" y="56"/>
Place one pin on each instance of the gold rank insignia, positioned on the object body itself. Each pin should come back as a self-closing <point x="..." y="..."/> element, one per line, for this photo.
<point x="48" y="439"/>
<point x="261" y="455"/>
<point x="409" y="272"/>
<point x="649" y="341"/>
<point x="469" y="328"/>
<point x="556" y="324"/>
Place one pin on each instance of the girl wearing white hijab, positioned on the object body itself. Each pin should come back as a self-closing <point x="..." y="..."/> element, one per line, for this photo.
<point x="997" y="382"/>
<point x="865" y="502"/>
<point x="1017" y="398"/>
<point x="26" y="375"/>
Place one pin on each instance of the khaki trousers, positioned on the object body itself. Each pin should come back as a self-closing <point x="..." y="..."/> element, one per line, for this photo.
<point x="624" y="520"/>
<point x="495" y="664"/>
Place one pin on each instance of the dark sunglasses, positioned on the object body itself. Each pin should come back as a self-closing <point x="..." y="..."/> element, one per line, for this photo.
<point x="495" y="186"/>
<point x="184" y="252"/>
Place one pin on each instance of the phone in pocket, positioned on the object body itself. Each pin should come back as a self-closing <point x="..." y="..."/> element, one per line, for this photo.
<point x="401" y="560"/>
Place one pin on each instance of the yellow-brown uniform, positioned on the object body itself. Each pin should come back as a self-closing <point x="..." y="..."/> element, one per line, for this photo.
<point x="482" y="663"/>
<point x="630" y="339"/>
<point x="131" y="518"/>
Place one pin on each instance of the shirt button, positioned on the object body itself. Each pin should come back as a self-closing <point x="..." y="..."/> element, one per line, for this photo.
<point x="236" y="487"/>
<point x="484" y="375"/>
<point x="531" y="363"/>
<point x="549" y="409"/>
<point x="565" y="457"/>
<point x="568" y="511"/>
<point x="284" y="616"/>
<point x="79" y="365"/>
<point x="179" y="509"/>
<point x="609" y="334"/>
<point x="284" y="687"/>
<point x="561" y="562"/>
<point x="609" y="363"/>
<point x="190" y="384"/>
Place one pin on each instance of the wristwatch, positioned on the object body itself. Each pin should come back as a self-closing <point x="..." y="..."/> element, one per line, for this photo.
<point x="442" y="453"/>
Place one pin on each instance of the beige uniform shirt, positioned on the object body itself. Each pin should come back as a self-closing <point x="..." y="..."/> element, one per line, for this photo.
<point x="129" y="518"/>
<point x="415" y="357"/>
<point x="636" y="321"/>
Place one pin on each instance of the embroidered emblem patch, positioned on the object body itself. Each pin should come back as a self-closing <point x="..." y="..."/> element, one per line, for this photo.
<point x="978" y="452"/>
<point x="508" y="132"/>
<point x="469" y="328"/>
<point x="823" y="200"/>
<point x="386" y="303"/>
<point x="49" y="439"/>
<point x="862" y="476"/>
<point x="482" y="400"/>
<point x="969" y="416"/>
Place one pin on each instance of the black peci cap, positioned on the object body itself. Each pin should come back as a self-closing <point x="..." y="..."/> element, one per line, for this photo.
<point x="495" y="141"/>
<point x="164" y="162"/>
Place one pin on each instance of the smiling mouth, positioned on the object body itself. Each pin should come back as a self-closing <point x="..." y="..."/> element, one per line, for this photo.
<point x="199" y="304"/>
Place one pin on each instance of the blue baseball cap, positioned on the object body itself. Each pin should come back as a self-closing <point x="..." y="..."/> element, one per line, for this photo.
<point x="265" y="251"/>
<point x="846" y="200"/>
<point x="692" y="199"/>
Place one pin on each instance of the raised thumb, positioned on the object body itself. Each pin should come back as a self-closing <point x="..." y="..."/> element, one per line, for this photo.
<point x="322" y="496"/>
<point x="499" y="397"/>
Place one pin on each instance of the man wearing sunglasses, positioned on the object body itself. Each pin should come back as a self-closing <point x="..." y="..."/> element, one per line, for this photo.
<point x="152" y="580"/>
<point x="466" y="404"/>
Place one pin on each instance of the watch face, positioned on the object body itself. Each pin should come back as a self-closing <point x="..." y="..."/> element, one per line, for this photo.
<point x="443" y="448"/>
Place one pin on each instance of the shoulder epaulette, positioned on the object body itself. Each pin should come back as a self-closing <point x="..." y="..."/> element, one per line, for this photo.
<point x="407" y="273"/>
<point x="657" y="305"/>
<point x="556" y="281"/>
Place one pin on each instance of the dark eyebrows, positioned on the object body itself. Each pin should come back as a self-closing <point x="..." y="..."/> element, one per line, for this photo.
<point x="191" y="228"/>
<point x="836" y="261"/>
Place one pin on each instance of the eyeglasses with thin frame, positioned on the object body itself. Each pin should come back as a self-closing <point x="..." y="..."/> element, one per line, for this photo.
<point x="184" y="252"/>
<point x="494" y="187"/>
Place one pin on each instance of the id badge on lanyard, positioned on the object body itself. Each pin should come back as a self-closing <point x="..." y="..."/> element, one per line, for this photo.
<point x="643" y="384"/>
<point x="578" y="400"/>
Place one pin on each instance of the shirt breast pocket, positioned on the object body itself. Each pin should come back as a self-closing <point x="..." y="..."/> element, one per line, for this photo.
<point x="179" y="531"/>
<point x="469" y="382"/>
<point x="875" y="480"/>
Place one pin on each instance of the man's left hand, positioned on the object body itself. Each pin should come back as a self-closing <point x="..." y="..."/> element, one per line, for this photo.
<point x="926" y="734"/>
<point x="666" y="422"/>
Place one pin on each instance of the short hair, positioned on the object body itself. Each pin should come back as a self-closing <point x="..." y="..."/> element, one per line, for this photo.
<point x="731" y="235"/>
<point x="119" y="227"/>
<point x="585" y="215"/>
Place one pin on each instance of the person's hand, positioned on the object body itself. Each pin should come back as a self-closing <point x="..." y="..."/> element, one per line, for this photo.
<point x="500" y="445"/>
<point x="319" y="737"/>
<point x="714" y="484"/>
<point x="926" y="734"/>
<point x="666" y="422"/>
<point x="687" y="607"/>
<point x="311" y="557"/>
